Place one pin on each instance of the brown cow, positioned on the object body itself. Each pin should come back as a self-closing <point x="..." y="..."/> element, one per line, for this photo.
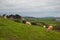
<point x="50" y="27"/>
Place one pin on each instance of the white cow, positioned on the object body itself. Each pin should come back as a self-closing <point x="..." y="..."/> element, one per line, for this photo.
<point x="5" y="17"/>
<point x="28" y="23"/>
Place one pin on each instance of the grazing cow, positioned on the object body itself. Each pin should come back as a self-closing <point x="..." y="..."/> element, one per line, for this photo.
<point x="23" y="21"/>
<point x="50" y="28"/>
<point x="33" y="23"/>
<point x="28" y="23"/>
<point x="57" y="28"/>
<point x="4" y="16"/>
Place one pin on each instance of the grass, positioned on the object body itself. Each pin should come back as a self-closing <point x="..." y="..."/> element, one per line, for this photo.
<point x="10" y="30"/>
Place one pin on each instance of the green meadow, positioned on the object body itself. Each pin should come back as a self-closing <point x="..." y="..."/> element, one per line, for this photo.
<point x="10" y="30"/>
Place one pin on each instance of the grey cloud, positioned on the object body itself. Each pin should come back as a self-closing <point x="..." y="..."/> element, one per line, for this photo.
<point x="44" y="6"/>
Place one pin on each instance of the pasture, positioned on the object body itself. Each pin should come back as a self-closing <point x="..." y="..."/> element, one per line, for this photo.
<point x="10" y="30"/>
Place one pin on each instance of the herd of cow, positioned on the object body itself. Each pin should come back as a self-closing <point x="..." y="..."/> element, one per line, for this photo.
<point x="49" y="28"/>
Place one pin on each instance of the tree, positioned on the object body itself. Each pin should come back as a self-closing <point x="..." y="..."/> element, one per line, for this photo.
<point x="17" y="16"/>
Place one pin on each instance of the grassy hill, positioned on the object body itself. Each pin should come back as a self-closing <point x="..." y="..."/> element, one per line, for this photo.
<point x="10" y="30"/>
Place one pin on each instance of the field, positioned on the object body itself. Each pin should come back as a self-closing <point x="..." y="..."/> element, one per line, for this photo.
<point x="10" y="30"/>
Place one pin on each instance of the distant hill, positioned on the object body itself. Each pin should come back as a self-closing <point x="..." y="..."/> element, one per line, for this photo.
<point x="42" y="18"/>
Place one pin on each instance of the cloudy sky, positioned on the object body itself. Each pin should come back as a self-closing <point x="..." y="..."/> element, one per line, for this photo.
<point x="35" y="8"/>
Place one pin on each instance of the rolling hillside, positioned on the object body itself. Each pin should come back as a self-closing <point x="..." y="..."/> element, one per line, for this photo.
<point x="10" y="30"/>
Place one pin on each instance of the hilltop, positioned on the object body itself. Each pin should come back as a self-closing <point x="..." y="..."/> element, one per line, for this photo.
<point x="10" y="30"/>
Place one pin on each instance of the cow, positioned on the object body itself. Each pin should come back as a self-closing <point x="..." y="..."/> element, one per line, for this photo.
<point x="50" y="28"/>
<point x="57" y="28"/>
<point x="33" y="23"/>
<point x="28" y="23"/>
<point x="4" y="16"/>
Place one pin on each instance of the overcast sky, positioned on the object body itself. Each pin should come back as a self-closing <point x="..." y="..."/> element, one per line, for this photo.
<point x="36" y="8"/>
